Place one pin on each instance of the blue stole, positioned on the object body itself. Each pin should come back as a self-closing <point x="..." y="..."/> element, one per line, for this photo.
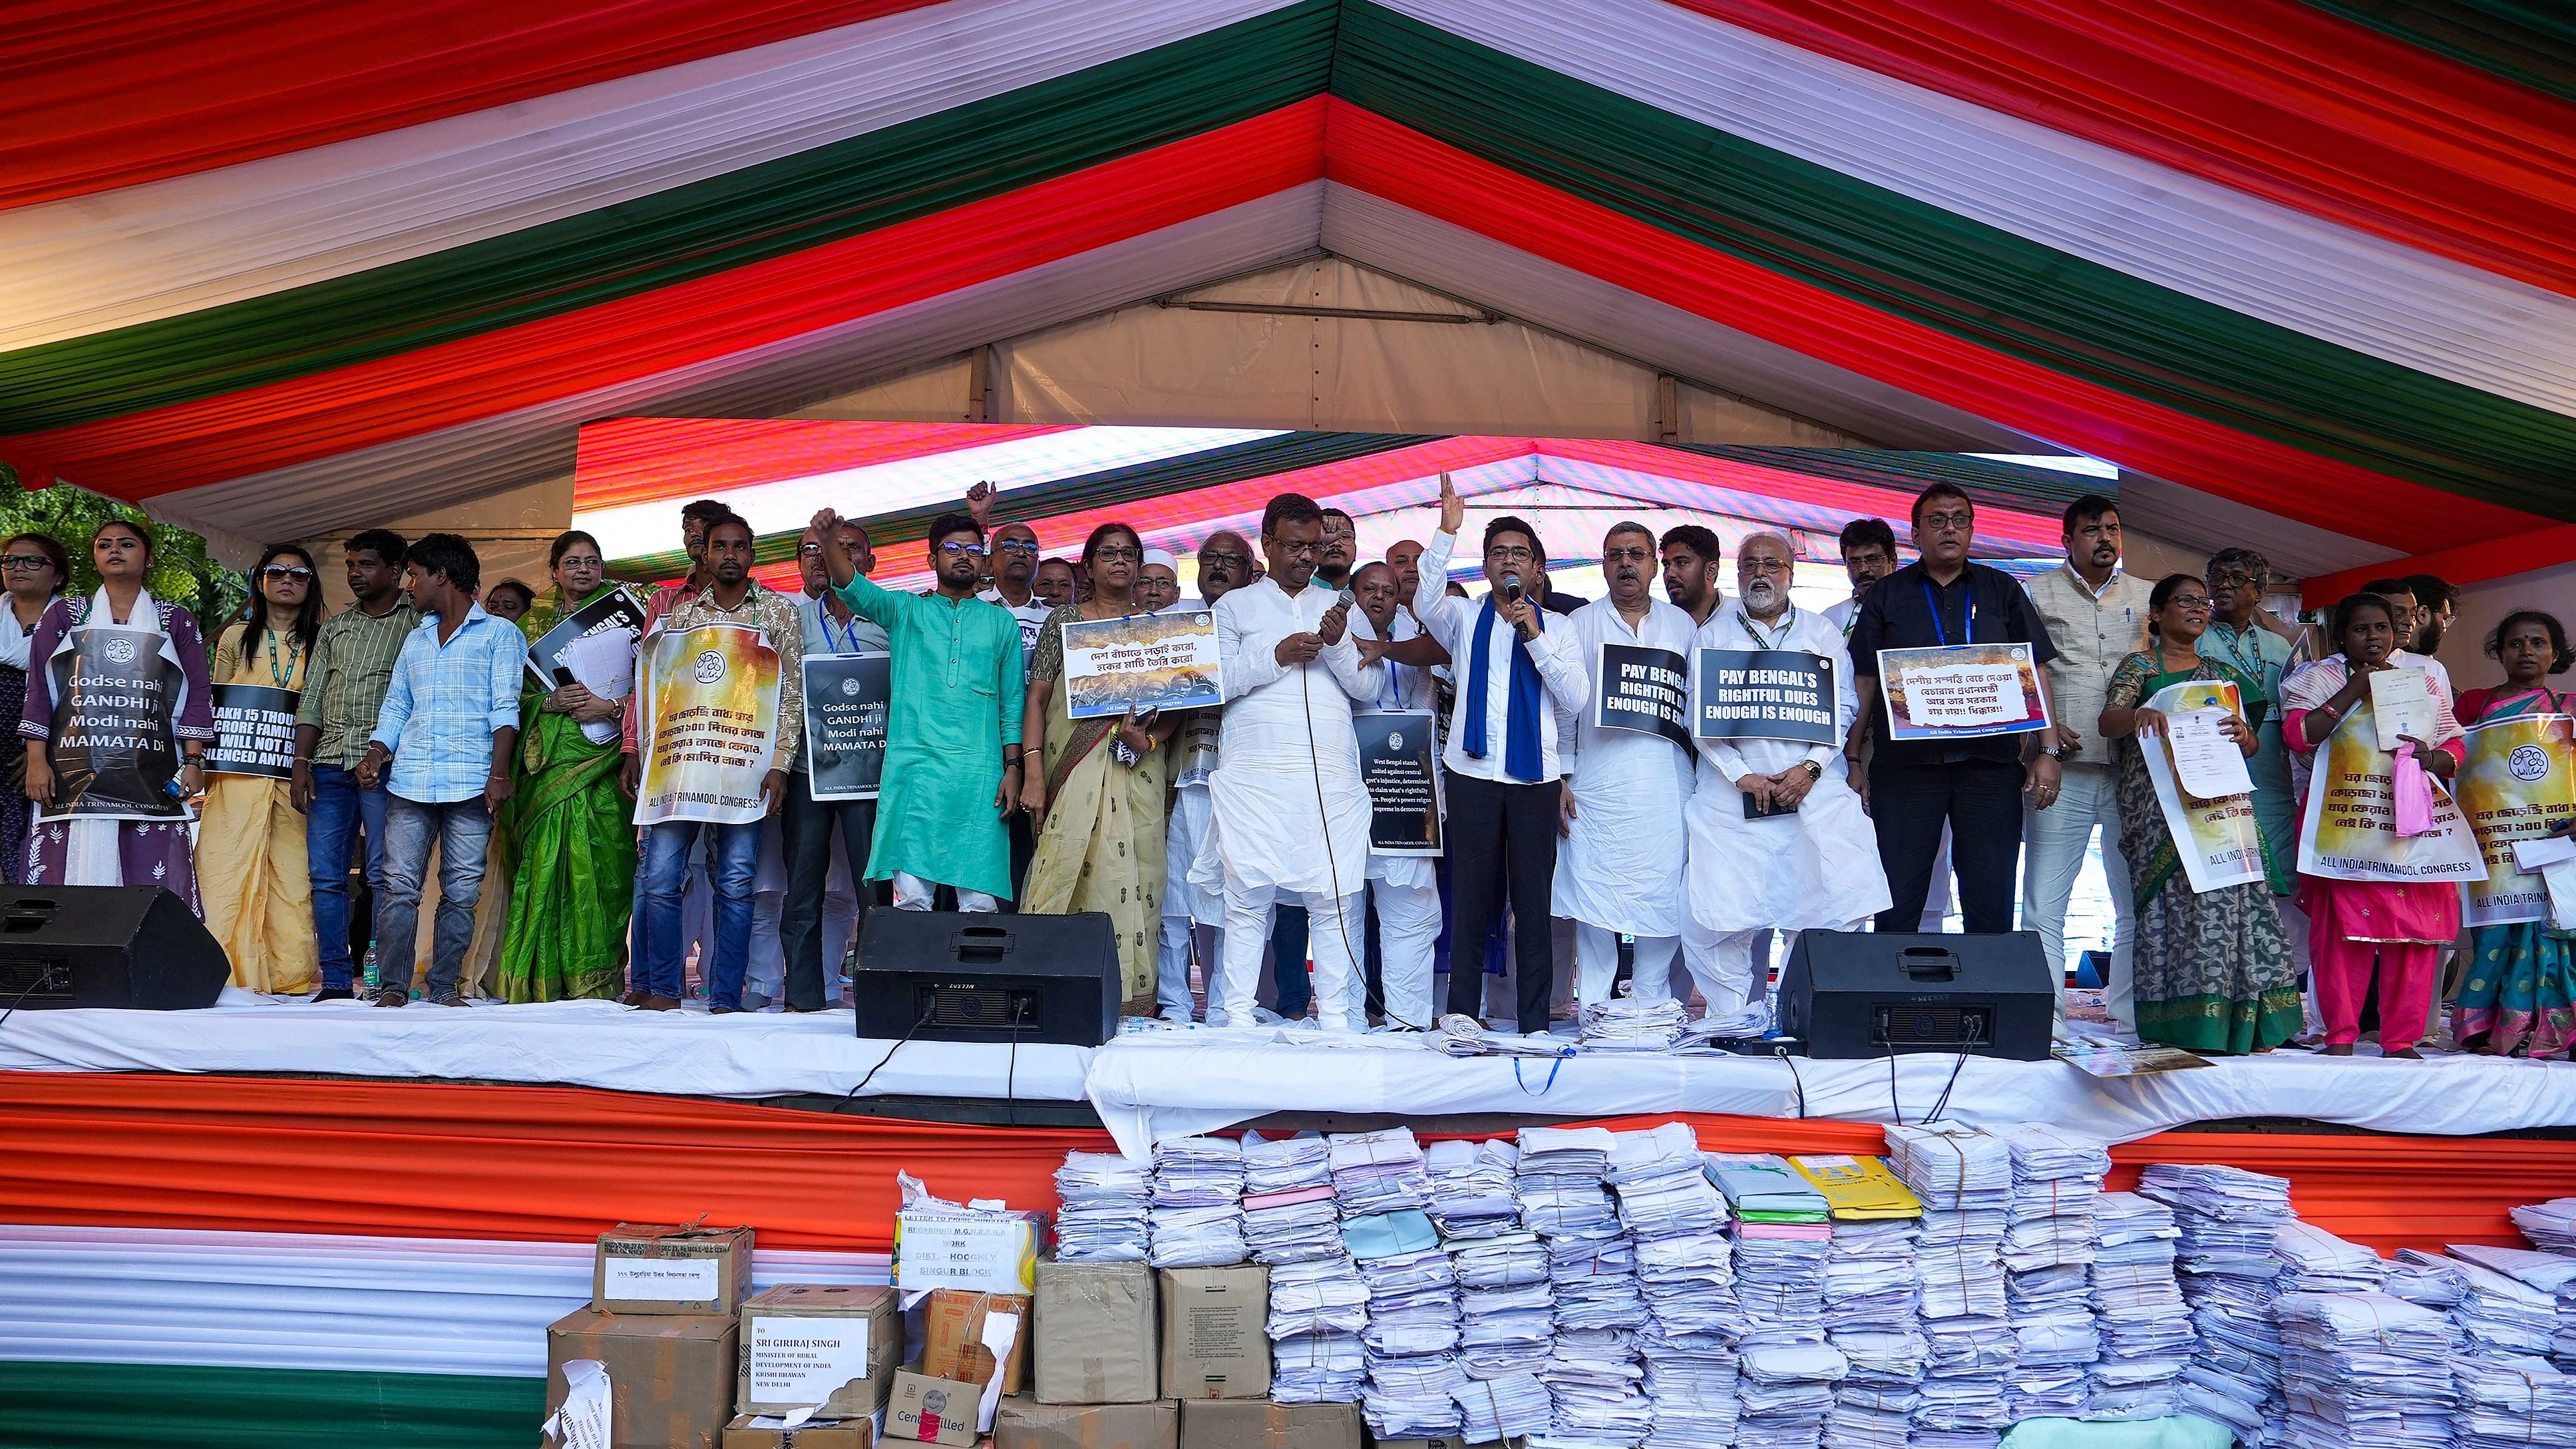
<point x="1521" y="753"/>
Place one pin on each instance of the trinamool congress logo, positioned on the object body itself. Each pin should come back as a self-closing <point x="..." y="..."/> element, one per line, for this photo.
<point x="710" y="667"/>
<point x="2528" y="763"/>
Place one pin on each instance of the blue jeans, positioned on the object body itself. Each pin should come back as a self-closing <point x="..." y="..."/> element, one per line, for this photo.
<point x="462" y="831"/>
<point x="340" y="809"/>
<point x="661" y="956"/>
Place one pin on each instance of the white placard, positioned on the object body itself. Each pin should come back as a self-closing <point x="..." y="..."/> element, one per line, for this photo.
<point x="980" y="1254"/>
<point x="2401" y="700"/>
<point x="2208" y="764"/>
<point x="804" y="1360"/>
<point x="604" y="664"/>
<point x="660" y="1280"/>
<point x="1962" y="696"/>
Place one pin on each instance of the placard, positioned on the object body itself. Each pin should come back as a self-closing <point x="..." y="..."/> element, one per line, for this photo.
<point x="1141" y="662"/>
<point x="114" y="747"/>
<point x="2518" y="782"/>
<point x="980" y="1253"/>
<point x="1399" y="768"/>
<point x="1642" y="688"/>
<point x="2350" y="829"/>
<point x="846" y="697"/>
<point x="710" y="726"/>
<point x="254" y="731"/>
<point x="616" y="609"/>
<point x="1764" y="694"/>
<point x="2218" y="840"/>
<point x="802" y="1360"/>
<point x="1961" y="691"/>
<point x="1194" y="747"/>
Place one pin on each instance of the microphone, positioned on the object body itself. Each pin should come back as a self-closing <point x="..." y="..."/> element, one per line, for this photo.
<point x="1346" y="599"/>
<point x="1511" y="588"/>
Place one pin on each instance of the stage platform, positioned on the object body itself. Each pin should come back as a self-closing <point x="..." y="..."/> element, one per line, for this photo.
<point x="1157" y="1082"/>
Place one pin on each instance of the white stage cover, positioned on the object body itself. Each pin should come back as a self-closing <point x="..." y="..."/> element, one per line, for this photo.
<point x="1160" y="1083"/>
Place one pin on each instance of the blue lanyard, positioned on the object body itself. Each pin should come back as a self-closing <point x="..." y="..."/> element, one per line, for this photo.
<point x="1938" y="630"/>
<point x="849" y="644"/>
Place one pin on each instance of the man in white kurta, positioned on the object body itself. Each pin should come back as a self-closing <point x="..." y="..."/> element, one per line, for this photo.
<point x="1292" y="673"/>
<point x="1815" y="868"/>
<point x="1404" y="888"/>
<point x="1620" y="871"/>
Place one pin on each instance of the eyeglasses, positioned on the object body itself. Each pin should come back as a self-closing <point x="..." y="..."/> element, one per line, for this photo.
<point x="952" y="548"/>
<point x="2229" y="581"/>
<point x="1745" y="565"/>
<point x="2191" y="604"/>
<point x="1509" y="553"/>
<point x="280" y="573"/>
<point x="1017" y="545"/>
<point x="1300" y="550"/>
<point x="809" y="550"/>
<point x="25" y="562"/>
<point x="1224" y="560"/>
<point x="1117" y="555"/>
<point x="1626" y="555"/>
<point x="1949" y="520"/>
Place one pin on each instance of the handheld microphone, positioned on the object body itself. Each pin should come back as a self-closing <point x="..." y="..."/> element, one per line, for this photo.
<point x="1347" y="599"/>
<point x="1511" y="588"/>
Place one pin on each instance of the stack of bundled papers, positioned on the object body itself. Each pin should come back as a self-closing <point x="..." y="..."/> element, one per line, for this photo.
<point x="1471" y="1188"/>
<point x="1780" y="1280"/>
<point x="2547" y="1273"/>
<point x="2364" y="1368"/>
<point x="1784" y="1392"/>
<point x="1677" y="1222"/>
<point x="1317" y="1368"/>
<point x="2138" y="1310"/>
<point x="1691" y="1384"/>
<point x="1106" y="1201"/>
<point x="1559" y="1182"/>
<point x="1965" y="1179"/>
<point x="2228" y="1218"/>
<point x="2048" y="1254"/>
<point x="1968" y="1362"/>
<point x="1626" y="1024"/>
<point x="1318" y="1308"/>
<point x="1379" y="1172"/>
<point x="1870" y="1318"/>
<point x="2513" y="1401"/>
<point x="1953" y="1168"/>
<point x="2316" y="1261"/>
<point x="2550" y="1225"/>
<point x="1512" y="1406"/>
<point x="2503" y="1317"/>
<point x="1198" y="1203"/>
<point x="1288" y="1211"/>
<point x="1594" y="1281"/>
<point x="1746" y="1023"/>
<point x="1594" y="1378"/>
<point x="2420" y="1277"/>
<point x="1506" y="1309"/>
<point x="1413" y="1397"/>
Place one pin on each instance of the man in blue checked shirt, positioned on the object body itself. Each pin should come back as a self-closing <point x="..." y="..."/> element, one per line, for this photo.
<point x="448" y="730"/>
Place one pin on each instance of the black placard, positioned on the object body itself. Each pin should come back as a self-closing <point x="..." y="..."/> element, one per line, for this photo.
<point x="845" y="722"/>
<point x="254" y="731"/>
<point x="1764" y="694"/>
<point x="114" y="748"/>
<point x="616" y="609"/>
<point x="1645" y="689"/>
<point x="1398" y="766"/>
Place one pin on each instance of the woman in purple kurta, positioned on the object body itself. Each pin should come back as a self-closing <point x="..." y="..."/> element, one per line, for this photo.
<point x="107" y="851"/>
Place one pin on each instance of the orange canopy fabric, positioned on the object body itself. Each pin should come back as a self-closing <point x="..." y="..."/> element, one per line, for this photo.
<point x="419" y="1159"/>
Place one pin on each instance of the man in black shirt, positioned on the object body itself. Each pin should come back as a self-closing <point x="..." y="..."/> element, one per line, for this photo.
<point x="1974" y="786"/>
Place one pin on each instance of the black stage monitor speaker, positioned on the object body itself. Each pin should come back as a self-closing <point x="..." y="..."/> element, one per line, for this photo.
<point x="979" y="976"/>
<point x="1865" y="994"/>
<point x="134" y="946"/>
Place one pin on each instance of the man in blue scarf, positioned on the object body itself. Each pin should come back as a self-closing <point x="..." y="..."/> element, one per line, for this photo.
<point x="1503" y="769"/>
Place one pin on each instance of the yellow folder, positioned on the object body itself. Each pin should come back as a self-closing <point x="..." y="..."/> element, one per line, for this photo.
<point x="1858" y="1189"/>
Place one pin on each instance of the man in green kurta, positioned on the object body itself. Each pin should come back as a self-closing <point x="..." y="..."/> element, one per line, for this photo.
<point x="952" y="760"/>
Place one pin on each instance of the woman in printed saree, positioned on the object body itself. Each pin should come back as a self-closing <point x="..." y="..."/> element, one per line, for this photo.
<point x="251" y="865"/>
<point x="118" y="819"/>
<point x="2519" y="997"/>
<point x="2401" y="926"/>
<point x="1099" y="797"/>
<point x="569" y="823"/>
<point x="2214" y="972"/>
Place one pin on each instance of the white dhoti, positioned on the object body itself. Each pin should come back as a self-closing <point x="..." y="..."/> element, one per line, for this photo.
<point x="1407" y="894"/>
<point x="1191" y="912"/>
<point x="1596" y="964"/>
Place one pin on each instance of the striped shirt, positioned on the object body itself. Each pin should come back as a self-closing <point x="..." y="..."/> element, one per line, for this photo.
<point x="344" y="685"/>
<point x="444" y="704"/>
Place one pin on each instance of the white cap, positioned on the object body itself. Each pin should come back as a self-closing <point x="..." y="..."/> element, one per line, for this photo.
<point x="1164" y="557"/>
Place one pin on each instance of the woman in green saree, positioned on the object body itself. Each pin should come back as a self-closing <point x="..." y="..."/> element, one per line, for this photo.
<point x="2213" y="971"/>
<point x="569" y="824"/>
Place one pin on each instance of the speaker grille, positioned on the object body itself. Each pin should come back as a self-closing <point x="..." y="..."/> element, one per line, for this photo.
<point x="1905" y="1024"/>
<point x="39" y="980"/>
<point x="989" y="1008"/>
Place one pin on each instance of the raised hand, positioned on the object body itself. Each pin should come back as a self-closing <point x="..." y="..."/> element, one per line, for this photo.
<point x="979" y="504"/>
<point x="1453" y="509"/>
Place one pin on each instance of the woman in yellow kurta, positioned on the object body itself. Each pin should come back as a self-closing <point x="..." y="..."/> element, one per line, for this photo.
<point x="1099" y="806"/>
<point x="252" y="875"/>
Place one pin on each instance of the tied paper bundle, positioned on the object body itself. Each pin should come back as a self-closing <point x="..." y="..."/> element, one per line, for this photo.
<point x="1285" y="1164"/>
<point x="1594" y="1281"/>
<point x="1967" y="1363"/>
<point x="2138" y="1309"/>
<point x="1691" y="1387"/>
<point x="2550" y="1225"/>
<point x="1626" y="1024"/>
<point x="1784" y="1392"/>
<point x="1471" y="1188"/>
<point x="1106" y="1201"/>
<point x="1198" y="1203"/>
<point x="2548" y="1273"/>
<point x="1413" y="1398"/>
<point x="1511" y="1406"/>
<point x="1871" y="1318"/>
<point x="1594" y="1378"/>
<point x="2501" y="1316"/>
<point x="2229" y="1218"/>
<point x="1289" y="1214"/>
<point x="1411" y="1343"/>
<point x="1973" y="1349"/>
<point x="2425" y="1279"/>
<point x="2510" y="1402"/>
<point x="1780" y="1280"/>
<point x="1317" y="1368"/>
<point x="2048" y="1256"/>
<point x="2364" y="1368"/>
<point x="1322" y="1295"/>
<point x="1506" y="1308"/>
<point x="2316" y="1261"/>
<point x="1379" y="1172"/>
<point x="1558" y="1182"/>
<point x="1677" y="1222"/>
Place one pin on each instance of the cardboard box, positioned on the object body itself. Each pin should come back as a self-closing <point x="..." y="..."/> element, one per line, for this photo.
<point x="933" y="1410"/>
<point x="649" y="1268"/>
<point x="809" y="1343"/>
<point x="817" y="1434"/>
<point x="1214" y="1341"/>
<point x="1027" y="1424"/>
<point x="1261" y="1424"/>
<point x="952" y="1338"/>
<point x="670" y="1375"/>
<point x="1095" y="1334"/>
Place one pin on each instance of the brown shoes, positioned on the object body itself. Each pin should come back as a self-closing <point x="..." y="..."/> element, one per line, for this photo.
<point x="658" y="1003"/>
<point x="393" y="996"/>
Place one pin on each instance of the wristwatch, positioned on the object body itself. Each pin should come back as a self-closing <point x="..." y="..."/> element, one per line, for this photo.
<point x="1814" y="771"/>
<point x="2054" y="752"/>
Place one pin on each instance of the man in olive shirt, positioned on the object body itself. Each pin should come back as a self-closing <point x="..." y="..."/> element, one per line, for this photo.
<point x="344" y="687"/>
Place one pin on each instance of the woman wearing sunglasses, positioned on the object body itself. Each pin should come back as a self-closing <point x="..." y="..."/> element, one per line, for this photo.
<point x="251" y="866"/>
